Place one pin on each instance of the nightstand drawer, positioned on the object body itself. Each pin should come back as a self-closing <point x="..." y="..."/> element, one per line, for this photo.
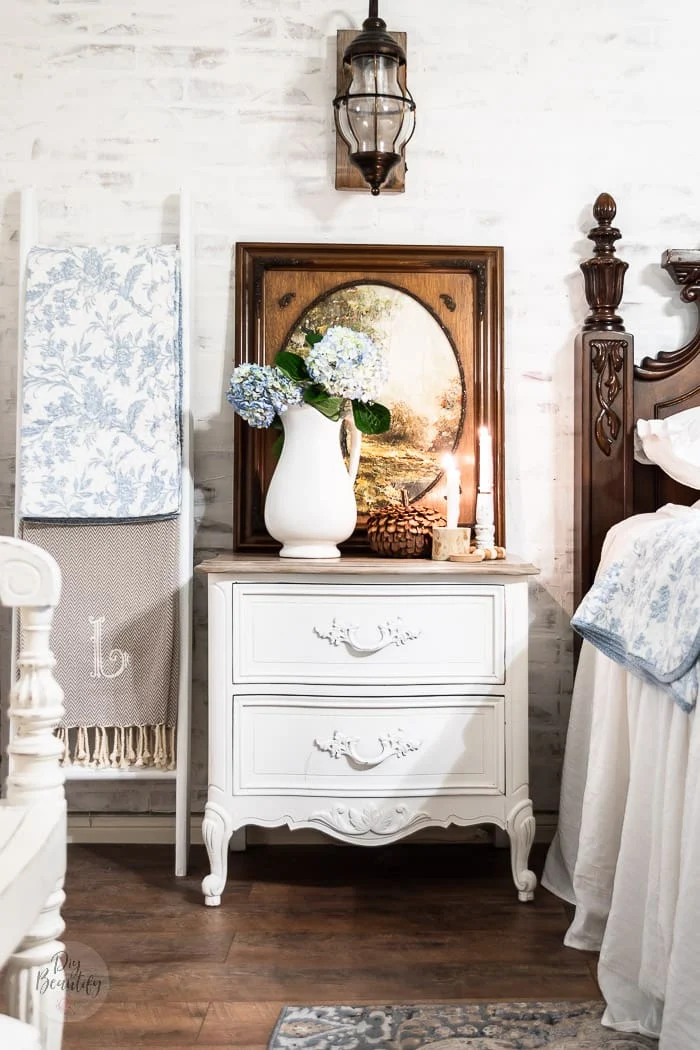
<point x="368" y="745"/>
<point x="325" y="634"/>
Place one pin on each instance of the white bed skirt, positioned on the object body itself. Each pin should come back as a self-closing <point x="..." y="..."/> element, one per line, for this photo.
<point x="627" y="851"/>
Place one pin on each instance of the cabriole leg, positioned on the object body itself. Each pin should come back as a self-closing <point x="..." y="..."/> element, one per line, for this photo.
<point x="520" y="826"/>
<point x="216" y="831"/>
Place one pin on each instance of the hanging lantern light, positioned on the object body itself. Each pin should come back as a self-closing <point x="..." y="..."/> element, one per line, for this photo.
<point x="374" y="115"/>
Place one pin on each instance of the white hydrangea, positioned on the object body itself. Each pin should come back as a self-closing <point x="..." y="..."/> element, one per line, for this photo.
<point x="348" y="364"/>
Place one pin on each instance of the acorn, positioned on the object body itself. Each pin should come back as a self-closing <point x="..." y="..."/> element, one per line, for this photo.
<point x="403" y="530"/>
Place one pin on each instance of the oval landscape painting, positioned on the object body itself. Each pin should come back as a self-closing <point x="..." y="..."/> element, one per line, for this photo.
<point x="425" y="393"/>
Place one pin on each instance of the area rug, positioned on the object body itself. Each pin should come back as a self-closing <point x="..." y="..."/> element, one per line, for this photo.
<point x="464" y="1026"/>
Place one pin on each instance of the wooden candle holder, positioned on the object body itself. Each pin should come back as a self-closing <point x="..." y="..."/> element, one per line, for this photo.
<point x="447" y="542"/>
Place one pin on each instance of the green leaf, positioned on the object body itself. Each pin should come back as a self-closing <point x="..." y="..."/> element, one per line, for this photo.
<point x="278" y="445"/>
<point x="312" y="337"/>
<point x="292" y="365"/>
<point x="371" y="417"/>
<point x="331" y="407"/>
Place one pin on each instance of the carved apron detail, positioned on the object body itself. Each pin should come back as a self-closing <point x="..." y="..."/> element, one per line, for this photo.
<point x="372" y="820"/>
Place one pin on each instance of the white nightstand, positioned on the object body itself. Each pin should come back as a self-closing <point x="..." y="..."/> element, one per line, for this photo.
<point x="367" y="698"/>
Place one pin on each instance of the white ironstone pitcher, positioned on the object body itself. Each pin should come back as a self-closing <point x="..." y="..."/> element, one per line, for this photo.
<point x="310" y="505"/>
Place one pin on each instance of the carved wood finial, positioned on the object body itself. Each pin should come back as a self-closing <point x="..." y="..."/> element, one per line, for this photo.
<point x="604" y="274"/>
<point x="604" y="211"/>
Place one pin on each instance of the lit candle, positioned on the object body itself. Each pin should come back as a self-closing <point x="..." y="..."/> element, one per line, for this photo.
<point x="453" y="480"/>
<point x="485" y="461"/>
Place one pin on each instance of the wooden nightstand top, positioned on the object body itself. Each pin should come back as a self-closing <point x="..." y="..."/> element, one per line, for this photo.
<point x="261" y="564"/>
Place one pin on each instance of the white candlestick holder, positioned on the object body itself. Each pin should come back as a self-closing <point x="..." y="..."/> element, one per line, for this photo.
<point x="484" y="529"/>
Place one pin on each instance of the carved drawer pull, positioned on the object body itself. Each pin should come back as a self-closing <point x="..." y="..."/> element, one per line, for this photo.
<point x="391" y="632"/>
<point x="393" y="743"/>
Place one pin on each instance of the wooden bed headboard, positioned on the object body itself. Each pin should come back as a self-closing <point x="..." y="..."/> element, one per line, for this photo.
<point x="612" y="393"/>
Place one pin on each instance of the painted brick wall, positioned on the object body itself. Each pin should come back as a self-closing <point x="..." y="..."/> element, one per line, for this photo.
<point x="525" y="112"/>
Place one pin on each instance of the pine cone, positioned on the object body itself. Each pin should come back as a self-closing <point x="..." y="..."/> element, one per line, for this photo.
<point x="403" y="531"/>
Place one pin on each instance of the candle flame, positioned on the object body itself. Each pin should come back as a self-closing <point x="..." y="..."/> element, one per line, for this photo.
<point x="448" y="462"/>
<point x="483" y="432"/>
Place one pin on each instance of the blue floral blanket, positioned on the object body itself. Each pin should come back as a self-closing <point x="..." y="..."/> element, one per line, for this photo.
<point x="644" y="609"/>
<point x="100" y="432"/>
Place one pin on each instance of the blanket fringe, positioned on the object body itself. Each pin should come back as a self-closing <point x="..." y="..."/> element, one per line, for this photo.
<point x="118" y="747"/>
<point x="62" y="734"/>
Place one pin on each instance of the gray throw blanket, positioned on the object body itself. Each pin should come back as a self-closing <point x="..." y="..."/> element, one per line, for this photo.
<point x="643" y="611"/>
<point x="115" y="639"/>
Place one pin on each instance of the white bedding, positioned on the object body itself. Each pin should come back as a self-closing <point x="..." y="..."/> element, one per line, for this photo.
<point x="672" y="444"/>
<point x="627" y="851"/>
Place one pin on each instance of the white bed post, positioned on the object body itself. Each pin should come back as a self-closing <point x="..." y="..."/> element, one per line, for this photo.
<point x="186" y="552"/>
<point x="30" y="579"/>
<point x="28" y="236"/>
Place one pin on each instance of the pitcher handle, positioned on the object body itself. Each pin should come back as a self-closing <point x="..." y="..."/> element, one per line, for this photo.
<point x="355" y="447"/>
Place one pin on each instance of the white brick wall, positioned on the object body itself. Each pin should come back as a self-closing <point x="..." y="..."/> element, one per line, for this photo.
<point x="525" y="112"/>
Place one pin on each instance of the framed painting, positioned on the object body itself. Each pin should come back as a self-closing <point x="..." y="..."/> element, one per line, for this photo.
<point x="438" y="314"/>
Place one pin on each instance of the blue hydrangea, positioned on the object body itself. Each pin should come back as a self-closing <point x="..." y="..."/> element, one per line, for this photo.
<point x="258" y="393"/>
<point x="283" y="391"/>
<point x="348" y="364"/>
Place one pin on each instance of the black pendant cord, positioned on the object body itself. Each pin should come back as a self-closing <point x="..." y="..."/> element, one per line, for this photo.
<point x="374" y="8"/>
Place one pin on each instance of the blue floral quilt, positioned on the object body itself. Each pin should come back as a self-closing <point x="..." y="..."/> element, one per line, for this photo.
<point x="644" y="609"/>
<point x="100" y="434"/>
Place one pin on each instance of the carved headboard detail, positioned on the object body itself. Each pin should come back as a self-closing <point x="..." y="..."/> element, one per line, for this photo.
<point x="612" y="393"/>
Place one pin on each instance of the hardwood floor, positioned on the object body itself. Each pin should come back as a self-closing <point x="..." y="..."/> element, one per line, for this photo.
<point x="401" y="924"/>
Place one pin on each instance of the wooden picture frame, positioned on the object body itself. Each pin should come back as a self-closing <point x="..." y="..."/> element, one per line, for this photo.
<point x="459" y="288"/>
